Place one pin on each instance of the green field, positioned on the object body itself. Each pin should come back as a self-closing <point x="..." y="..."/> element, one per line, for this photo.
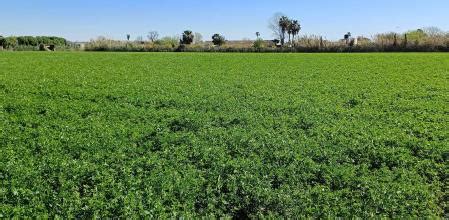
<point x="230" y="135"/>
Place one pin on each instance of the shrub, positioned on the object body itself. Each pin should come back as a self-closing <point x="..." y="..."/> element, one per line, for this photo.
<point x="2" y="41"/>
<point x="27" y="41"/>
<point x="259" y="44"/>
<point x="170" y="42"/>
<point x="387" y="42"/>
<point x="31" y="43"/>
<point x="10" y="42"/>
<point x="416" y="36"/>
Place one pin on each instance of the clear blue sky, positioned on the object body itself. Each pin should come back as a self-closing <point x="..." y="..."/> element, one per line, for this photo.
<point x="81" y="20"/>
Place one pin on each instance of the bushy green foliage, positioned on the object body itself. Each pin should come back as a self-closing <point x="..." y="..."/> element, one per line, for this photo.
<point x="31" y="43"/>
<point x="416" y="36"/>
<point x="389" y="42"/>
<point x="169" y="42"/>
<point x="259" y="44"/>
<point x="187" y="37"/>
<point x="244" y="135"/>
<point x="27" y="41"/>
<point x="9" y="42"/>
<point x="2" y="41"/>
<point x="35" y="41"/>
<point x="218" y="40"/>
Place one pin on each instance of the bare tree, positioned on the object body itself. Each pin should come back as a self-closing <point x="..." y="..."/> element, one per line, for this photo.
<point x="433" y="31"/>
<point x="153" y="36"/>
<point x="197" y="38"/>
<point x="273" y="25"/>
<point x="435" y="35"/>
<point x="139" y="39"/>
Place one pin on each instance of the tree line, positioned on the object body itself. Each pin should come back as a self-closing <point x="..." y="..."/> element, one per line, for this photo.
<point x="283" y="26"/>
<point x="30" y="41"/>
<point x="287" y="38"/>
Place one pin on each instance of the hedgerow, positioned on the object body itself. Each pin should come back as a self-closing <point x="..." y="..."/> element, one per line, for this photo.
<point x="30" y="43"/>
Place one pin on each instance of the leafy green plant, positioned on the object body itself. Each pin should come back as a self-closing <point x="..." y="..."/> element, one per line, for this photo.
<point x="258" y="44"/>
<point x="174" y="135"/>
<point x="416" y="36"/>
<point x="10" y="42"/>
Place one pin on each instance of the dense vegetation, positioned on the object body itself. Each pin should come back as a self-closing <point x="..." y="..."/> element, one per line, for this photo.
<point x="238" y="135"/>
<point x="30" y="42"/>
<point x="421" y="40"/>
<point x="430" y="39"/>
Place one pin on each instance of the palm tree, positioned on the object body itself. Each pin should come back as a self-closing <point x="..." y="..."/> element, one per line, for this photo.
<point x="257" y="35"/>
<point x="295" y="28"/>
<point x="284" y="23"/>
<point x="290" y="31"/>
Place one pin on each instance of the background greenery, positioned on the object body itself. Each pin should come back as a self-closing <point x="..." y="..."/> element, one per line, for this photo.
<point x="237" y="135"/>
<point x="30" y="42"/>
<point x="429" y="39"/>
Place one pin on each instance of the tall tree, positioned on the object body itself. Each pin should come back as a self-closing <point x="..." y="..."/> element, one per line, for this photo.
<point x="284" y="23"/>
<point x="433" y="31"/>
<point x="198" y="38"/>
<point x="218" y="40"/>
<point x="128" y="36"/>
<point x="187" y="37"/>
<point x="273" y="25"/>
<point x="258" y="35"/>
<point x="290" y="31"/>
<point x="295" y="28"/>
<point x="405" y="42"/>
<point x="153" y="36"/>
